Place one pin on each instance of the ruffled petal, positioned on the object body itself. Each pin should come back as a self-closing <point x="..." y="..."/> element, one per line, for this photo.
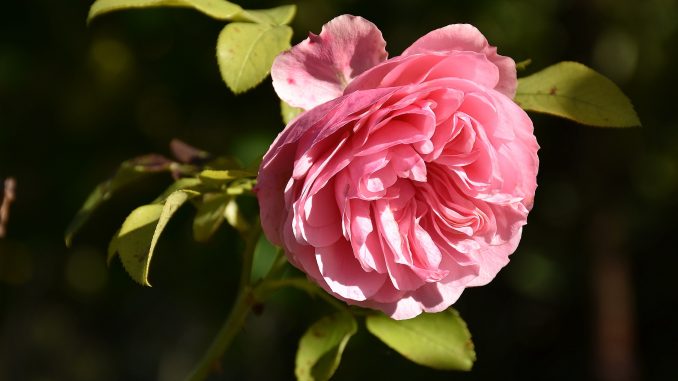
<point x="465" y="37"/>
<point x="343" y="275"/>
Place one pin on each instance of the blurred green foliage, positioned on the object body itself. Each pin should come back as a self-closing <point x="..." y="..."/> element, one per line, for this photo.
<point x="593" y="273"/>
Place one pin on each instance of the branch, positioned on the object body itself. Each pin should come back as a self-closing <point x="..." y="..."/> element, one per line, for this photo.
<point x="8" y="198"/>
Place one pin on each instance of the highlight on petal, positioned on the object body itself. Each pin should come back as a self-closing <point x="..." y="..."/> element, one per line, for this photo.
<point x="318" y="69"/>
<point x="465" y="37"/>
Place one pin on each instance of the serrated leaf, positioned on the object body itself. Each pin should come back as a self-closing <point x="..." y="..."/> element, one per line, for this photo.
<point x="289" y="112"/>
<point x="439" y="341"/>
<point x="133" y="240"/>
<point x="282" y="15"/>
<point x="573" y="91"/>
<point x="140" y="232"/>
<point x="246" y="51"/>
<point x="218" y="9"/>
<point x="210" y="216"/>
<point x="128" y="172"/>
<point x="322" y="345"/>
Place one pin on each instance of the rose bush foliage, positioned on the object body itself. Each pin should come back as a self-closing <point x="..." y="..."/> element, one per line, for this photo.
<point x="405" y="180"/>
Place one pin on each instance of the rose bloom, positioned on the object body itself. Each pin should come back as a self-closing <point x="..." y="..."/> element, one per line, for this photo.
<point x="405" y="180"/>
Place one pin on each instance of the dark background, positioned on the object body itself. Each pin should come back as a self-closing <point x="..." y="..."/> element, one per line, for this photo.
<point x="589" y="295"/>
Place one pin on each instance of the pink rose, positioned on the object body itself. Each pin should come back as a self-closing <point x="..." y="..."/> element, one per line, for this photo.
<point x="405" y="180"/>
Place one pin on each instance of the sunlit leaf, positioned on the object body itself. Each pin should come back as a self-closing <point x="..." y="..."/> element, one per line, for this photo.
<point x="210" y="215"/>
<point x="223" y="176"/>
<point x="240" y="186"/>
<point x="234" y="217"/>
<point x="136" y="240"/>
<point x="246" y="51"/>
<point x="439" y="340"/>
<point x="289" y="112"/>
<point x="133" y="240"/>
<point x="128" y="172"/>
<point x="282" y="15"/>
<point x="322" y="345"/>
<point x="186" y="183"/>
<point x="218" y="9"/>
<point x="573" y="91"/>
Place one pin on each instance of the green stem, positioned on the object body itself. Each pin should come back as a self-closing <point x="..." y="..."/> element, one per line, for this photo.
<point x="236" y="318"/>
<point x="247" y="297"/>
<point x="248" y="254"/>
<point x="278" y="266"/>
<point x="268" y="287"/>
<point x="224" y="337"/>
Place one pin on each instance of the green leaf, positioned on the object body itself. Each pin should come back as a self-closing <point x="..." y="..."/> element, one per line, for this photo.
<point x="128" y="172"/>
<point x="112" y="248"/>
<point x="322" y="345"/>
<point x="264" y="257"/>
<point x="522" y="65"/>
<point x="136" y="240"/>
<point x="573" y="91"/>
<point x="245" y="52"/>
<point x="224" y="162"/>
<point x="240" y="186"/>
<point x="223" y="176"/>
<point x="282" y="15"/>
<point x="218" y="9"/>
<point x="289" y="112"/>
<point x="439" y="341"/>
<point x="186" y="183"/>
<point x="210" y="215"/>
<point x="234" y="217"/>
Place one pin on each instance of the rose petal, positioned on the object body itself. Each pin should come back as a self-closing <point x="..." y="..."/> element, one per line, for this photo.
<point x="465" y="37"/>
<point x="319" y="68"/>
<point x="365" y="238"/>
<point x="343" y="273"/>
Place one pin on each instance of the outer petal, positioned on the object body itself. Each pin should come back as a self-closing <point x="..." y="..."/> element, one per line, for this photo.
<point x="462" y="37"/>
<point x="343" y="274"/>
<point x="318" y="69"/>
<point x="491" y="259"/>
